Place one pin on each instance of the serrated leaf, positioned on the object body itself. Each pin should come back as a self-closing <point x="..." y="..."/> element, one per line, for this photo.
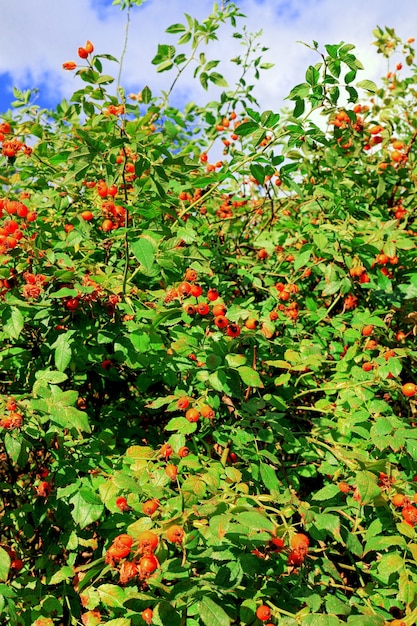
<point x="250" y="376"/>
<point x="235" y="360"/>
<point x="140" y="452"/>
<point x="255" y="520"/>
<point x="329" y="523"/>
<point x="144" y="251"/>
<point x="65" y="292"/>
<point x="407" y="589"/>
<point x="365" y="620"/>
<point x="111" y="595"/>
<point x="86" y="512"/>
<point x="181" y="425"/>
<point x="211" y="614"/>
<point x="63" y="352"/>
<point x="354" y="545"/>
<point x="389" y="564"/>
<point x="164" y="614"/>
<point x="246" y="128"/>
<point x="368" y="85"/>
<point x="13" y="322"/>
<point x="381" y="543"/>
<point x="302" y="259"/>
<point x="321" y="620"/>
<point x="269" y="477"/>
<point x="50" y="376"/>
<point x="193" y="490"/>
<point x="4" y="564"/>
<point x="217" y="79"/>
<point x="146" y="95"/>
<point x="367" y="487"/>
<point x="13" y="446"/>
<point x="175" y="28"/>
<point x="327" y="493"/>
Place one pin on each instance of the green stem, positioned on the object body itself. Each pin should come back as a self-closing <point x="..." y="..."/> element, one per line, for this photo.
<point x="119" y="76"/>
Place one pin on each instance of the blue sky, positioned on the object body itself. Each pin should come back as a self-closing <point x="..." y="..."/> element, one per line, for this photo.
<point x="36" y="37"/>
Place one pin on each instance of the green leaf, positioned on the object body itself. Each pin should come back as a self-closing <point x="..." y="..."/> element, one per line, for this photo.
<point x="235" y="360"/>
<point x="63" y="352"/>
<point x="181" y="425"/>
<point x="250" y="376"/>
<point x="13" y="322"/>
<point x="269" y="477"/>
<point x="365" y="620"/>
<point x="212" y="614"/>
<point x="86" y="512"/>
<point x="367" y="487"/>
<point x="381" y="543"/>
<point x="50" y="376"/>
<point x="217" y="79"/>
<point x="299" y="107"/>
<point x="258" y="172"/>
<point x="329" y="523"/>
<point x="144" y="251"/>
<point x="58" y="408"/>
<point x="321" y="620"/>
<point x="65" y="292"/>
<point x="327" y="493"/>
<point x="164" y="614"/>
<point x="146" y="95"/>
<point x="140" y="452"/>
<point x="111" y="595"/>
<point x="302" y="259"/>
<point x="368" y="85"/>
<point x="337" y="607"/>
<point x="255" y="520"/>
<point x="312" y="75"/>
<point x="175" y="28"/>
<point x="389" y="564"/>
<point x="4" y="564"/>
<point x="13" y="446"/>
<point x="246" y="128"/>
<point x="193" y="490"/>
<point x="354" y="545"/>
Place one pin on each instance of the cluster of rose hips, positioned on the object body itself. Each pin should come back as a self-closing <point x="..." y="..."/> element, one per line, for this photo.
<point x="299" y="544"/>
<point x="399" y="500"/>
<point x="409" y="511"/>
<point x="95" y="294"/>
<point x="224" y="210"/>
<point x="193" y="414"/>
<point x="34" y="285"/>
<point x="143" y="562"/>
<point x="398" y="152"/>
<point x="12" y="419"/>
<point x="229" y="125"/>
<point x="10" y="147"/>
<point x="399" y="210"/>
<point x="114" y="109"/>
<point x="189" y="288"/>
<point x="83" y="53"/>
<point x="114" y="215"/>
<point x="17" y="218"/>
<point x="296" y="554"/>
<point x="166" y="451"/>
<point x="285" y="293"/>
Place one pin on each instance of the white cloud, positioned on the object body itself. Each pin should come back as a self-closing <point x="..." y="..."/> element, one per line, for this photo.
<point x="37" y="37"/>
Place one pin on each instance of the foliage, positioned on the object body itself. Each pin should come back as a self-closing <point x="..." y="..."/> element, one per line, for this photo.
<point x="208" y="365"/>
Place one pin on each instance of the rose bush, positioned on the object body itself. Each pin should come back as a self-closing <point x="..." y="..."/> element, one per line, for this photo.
<point x="208" y="364"/>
